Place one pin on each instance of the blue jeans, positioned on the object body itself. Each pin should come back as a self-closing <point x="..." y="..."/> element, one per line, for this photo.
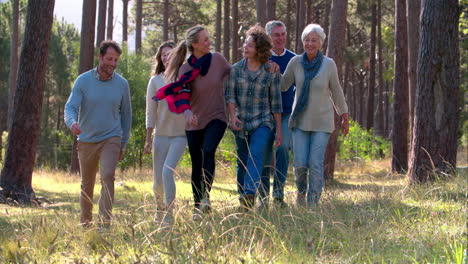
<point x="309" y="152"/>
<point x="250" y="151"/>
<point x="281" y="163"/>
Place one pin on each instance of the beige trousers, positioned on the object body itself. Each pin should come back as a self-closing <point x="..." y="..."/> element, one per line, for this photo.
<point x="104" y="154"/>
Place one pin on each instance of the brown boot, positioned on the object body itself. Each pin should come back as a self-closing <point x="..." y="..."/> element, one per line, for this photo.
<point x="247" y="202"/>
<point x="301" y="200"/>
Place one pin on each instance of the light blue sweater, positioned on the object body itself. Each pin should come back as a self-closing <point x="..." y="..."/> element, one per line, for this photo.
<point x="101" y="108"/>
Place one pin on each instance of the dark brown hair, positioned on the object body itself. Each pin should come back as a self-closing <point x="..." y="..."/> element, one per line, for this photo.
<point x="158" y="65"/>
<point x="109" y="43"/>
<point x="262" y="42"/>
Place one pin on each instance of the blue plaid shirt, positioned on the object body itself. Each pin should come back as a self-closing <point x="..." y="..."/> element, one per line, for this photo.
<point x="256" y="97"/>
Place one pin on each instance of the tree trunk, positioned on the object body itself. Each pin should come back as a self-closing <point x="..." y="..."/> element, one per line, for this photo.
<point x="138" y="27"/>
<point x="309" y="12"/>
<point x="101" y="26"/>
<point x="13" y="61"/>
<point x="86" y="58"/>
<point x="326" y="21"/>
<point x="300" y="17"/>
<point x="166" y="21"/>
<point x="235" y="29"/>
<point x="400" y="92"/>
<point x="413" y="9"/>
<point x="271" y="11"/>
<point x="288" y="24"/>
<point x="371" y="87"/>
<point x="124" y="21"/>
<point x="261" y="12"/>
<point x="218" y="25"/>
<point x="336" y="40"/>
<point x="16" y="176"/>
<point x="379" y="126"/>
<point x="110" y="20"/>
<point x="227" y="29"/>
<point x="434" y="148"/>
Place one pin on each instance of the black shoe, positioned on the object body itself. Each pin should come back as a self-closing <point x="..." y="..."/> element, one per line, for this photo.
<point x="247" y="202"/>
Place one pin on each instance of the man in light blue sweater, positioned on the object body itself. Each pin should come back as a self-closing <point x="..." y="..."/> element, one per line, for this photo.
<point x="99" y="112"/>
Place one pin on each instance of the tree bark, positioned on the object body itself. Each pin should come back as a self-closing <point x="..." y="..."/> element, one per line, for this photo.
<point x="86" y="59"/>
<point x="336" y="40"/>
<point x="288" y="24"/>
<point x="235" y="30"/>
<point x="271" y="11"/>
<point x="261" y="12"/>
<point x="413" y="9"/>
<point x="371" y="87"/>
<point x="16" y="176"/>
<point x="218" y="25"/>
<point x="138" y="26"/>
<point x="12" y="76"/>
<point x="101" y="26"/>
<point x="300" y="24"/>
<point x="110" y="20"/>
<point x="166" y="21"/>
<point x="227" y="29"/>
<point x="326" y="21"/>
<point x="125" y="21"/>
<point x="400" y="92"/>
<point x="434" y="148"/>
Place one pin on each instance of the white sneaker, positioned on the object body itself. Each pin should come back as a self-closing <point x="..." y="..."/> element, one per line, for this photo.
<point x="205" y="205"/>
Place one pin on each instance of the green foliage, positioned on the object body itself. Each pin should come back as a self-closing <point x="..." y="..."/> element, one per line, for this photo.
<point x="136" y="69"/>
<point x="362" y="144"/>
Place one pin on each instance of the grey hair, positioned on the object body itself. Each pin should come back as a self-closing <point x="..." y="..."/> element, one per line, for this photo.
<point x="314" y="28"/>
<point x="271" y="24"/>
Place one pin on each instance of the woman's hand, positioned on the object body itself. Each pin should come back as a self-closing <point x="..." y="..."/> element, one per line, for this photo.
<point x="274" y="67"/>
<point x="148" y="145"/>
<point x="190" y="118"/>
<point x="278" y="138"/>
<point x="344" y="124"/>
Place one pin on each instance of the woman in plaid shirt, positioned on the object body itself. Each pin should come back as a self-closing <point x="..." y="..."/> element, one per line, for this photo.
<point x="253" y="97"/>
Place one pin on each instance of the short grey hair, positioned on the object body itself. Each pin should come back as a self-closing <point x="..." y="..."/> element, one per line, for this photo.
<point x="271" y="24"/>
<point x="314" y="28"/>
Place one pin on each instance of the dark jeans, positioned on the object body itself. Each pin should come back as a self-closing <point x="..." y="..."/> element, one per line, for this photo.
<point x="202" y="147"/>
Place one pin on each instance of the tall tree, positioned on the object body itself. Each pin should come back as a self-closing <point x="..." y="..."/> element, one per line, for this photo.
<point x="124" y="20"/>
<point x="288" y="23"/>
<point x="138" y="26"/>
<point x="400" y="92"/>
<point x="235" y="30"/>
<point x="309" y="13"/>
<point x="336" y="44"/>
<point x="110" y="20"/>
<point x="271" y="10"/>
<point x="371" y="87"/>
<point x="261" y="11"/>
<point x="434" y="148"/>
<point x="13" y="60"/>
<point x="300" y="24"/>
<point x="88" y="22"/>
<point x="380" y="119"/>
<point x="101" y="26"/>
<point x="218" y="25"/>
<point x="227" y="29"/>
<point x="16" y="176"/>
<point x="413" y="9"/>
<point x="166" y="20"/>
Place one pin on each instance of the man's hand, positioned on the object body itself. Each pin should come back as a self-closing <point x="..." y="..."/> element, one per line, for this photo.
<point x="121" y="154"/>
<point x="236" y="124"/>
<point x="75" y="129"/>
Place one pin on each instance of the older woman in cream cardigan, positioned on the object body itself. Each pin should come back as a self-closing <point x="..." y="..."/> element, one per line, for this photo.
<point x="318" y="91"/>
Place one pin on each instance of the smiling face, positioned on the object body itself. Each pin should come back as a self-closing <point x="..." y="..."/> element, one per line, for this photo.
<point x="165" y="52"/>
<point x="250" y="51"/>
<point x="108" y="62"/>
<point x="203" y="44"/>
<point x="312" y="44"/>
<point x="278" y="37"/>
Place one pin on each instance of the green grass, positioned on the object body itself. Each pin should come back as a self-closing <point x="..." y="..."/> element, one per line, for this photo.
<point x="365" y="216"/>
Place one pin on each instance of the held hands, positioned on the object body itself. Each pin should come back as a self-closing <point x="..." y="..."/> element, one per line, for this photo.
<point x="75" y="129"/>
<point x="344" y="124"/>
<point x="190" y="118"/>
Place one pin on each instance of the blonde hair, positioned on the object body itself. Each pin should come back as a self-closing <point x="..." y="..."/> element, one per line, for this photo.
<point x="158" y="65"/>
<point x="180" y="52"/>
